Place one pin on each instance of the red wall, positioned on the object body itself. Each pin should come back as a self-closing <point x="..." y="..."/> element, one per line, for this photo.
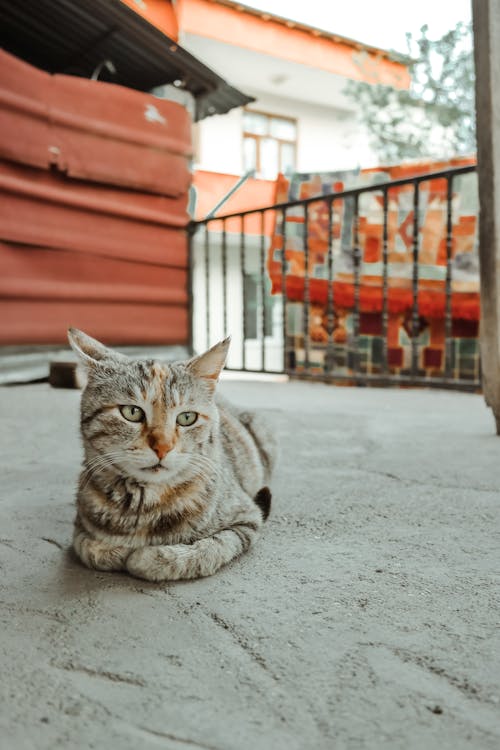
<point x="93" y="195"/>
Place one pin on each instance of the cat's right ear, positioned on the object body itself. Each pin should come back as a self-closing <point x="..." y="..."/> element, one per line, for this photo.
<point x="89" y="351"/>
<point x="209" y="364"/>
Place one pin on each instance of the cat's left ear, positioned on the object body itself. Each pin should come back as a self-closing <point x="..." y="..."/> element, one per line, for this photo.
<point x="209" y="365"/>
<point x="89" y="350"/>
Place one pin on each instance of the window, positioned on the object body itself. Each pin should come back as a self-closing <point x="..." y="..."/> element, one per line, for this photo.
<point x="269" y="143"/>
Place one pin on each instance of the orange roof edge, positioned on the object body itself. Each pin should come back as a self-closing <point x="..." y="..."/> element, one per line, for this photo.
<point x="159" y="13"/>
<point x="314" y="30"/>
<point x="237" y="24"/>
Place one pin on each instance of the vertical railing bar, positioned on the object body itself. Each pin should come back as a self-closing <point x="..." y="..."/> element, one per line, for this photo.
<point x="207" y="284"/>
<point x="263" y="292"/>
<point x="330" y="309"/>
<point x="284" y="300"/>
<point x="385" y="283"/>
<point x="415" y="321"/>
<point x="448" y="321"/>
<point x="191" y="231"/>
<point x="357" y="267"/>
<point x="305" y="317"/>
<point x="243" y="291"/>
<point x="224" y="278"/>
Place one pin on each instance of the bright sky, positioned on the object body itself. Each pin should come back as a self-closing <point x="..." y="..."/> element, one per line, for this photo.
<point x="381" y="23"/>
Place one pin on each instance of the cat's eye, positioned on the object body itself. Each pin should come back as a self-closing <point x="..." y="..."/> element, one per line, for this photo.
<point x="132" y="413"/>
<point x="187" y="418"/>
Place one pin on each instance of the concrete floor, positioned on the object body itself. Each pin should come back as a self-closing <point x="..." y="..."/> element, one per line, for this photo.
<point x="367" y="616"/>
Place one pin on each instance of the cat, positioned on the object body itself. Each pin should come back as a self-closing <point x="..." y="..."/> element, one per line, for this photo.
<point x="174" y="480"/>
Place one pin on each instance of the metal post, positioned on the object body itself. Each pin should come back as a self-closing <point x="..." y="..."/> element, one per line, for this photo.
<point x="207" y="284"/>
<point x="448" y="321"/>
<point x="415" y="315"/>
<point x="283" y="292"/>
<point x="305" y="318"/>
<point x="243" y="292"/>
<point x="385" y="284"/>
<point x="486" y="15"/>
<point x="356" y="253"/>
<point x="330" y="309"/>
<point x="263" y="291"/>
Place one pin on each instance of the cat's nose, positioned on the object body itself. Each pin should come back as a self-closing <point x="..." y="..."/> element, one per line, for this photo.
<point x="161" y="449"/>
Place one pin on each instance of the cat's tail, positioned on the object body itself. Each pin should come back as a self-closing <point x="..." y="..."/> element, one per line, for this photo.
<point x="263" y="500"/>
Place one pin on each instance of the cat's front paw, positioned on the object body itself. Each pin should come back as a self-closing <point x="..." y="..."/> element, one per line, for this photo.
<point x="161" y="563"/>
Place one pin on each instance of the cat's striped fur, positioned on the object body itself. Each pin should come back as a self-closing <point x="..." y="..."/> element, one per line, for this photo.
<point x="162" y="500"/>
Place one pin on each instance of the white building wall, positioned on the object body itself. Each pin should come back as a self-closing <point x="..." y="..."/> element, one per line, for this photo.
<point x="220" y="143"/>
<point x="328" y="139"/>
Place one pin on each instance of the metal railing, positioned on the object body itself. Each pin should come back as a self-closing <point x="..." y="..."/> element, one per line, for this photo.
<point x="272" y="336"/>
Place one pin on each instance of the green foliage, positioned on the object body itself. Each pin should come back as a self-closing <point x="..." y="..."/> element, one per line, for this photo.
<point x="435" y="117"/>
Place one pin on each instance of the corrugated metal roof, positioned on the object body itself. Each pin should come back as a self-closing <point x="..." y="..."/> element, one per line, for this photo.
<point x="75" y="36"/>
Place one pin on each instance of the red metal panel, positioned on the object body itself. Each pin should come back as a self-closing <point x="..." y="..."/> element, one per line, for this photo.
<point x="44" y="291"/>
<point x="30" y="272"/>
<point x="43" y="208"/>
<point x="46" y="322"/>
<point x="81" y="247"/>
<point x="93" y="130"/>
<point x="111" y="134"/>
<point x="24" y="112"/>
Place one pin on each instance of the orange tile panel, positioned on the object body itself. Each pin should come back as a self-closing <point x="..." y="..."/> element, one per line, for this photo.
<point x="47" y="209"/>
<point x="93" y="198"/>
<point x="111" y="134"/>
<point x="46" y="322"/>
<point x="30" y="272"/>
<point x="93" y="130"/>
<point x="24" y="112"/>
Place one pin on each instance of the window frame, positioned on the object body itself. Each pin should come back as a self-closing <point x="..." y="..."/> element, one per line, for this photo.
<point x="246" y="134"/>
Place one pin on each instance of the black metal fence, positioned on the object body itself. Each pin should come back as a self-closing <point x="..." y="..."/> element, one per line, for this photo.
<point x="304" y="329"/>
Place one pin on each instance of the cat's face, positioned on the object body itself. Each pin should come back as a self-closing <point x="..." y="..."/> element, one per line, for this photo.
<point x="148" y="420"/>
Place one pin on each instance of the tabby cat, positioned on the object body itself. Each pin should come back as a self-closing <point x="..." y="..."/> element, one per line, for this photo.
<point x="174" y="478"/>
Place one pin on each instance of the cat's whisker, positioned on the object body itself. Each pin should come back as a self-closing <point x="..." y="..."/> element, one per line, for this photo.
<point x="106" y="458"/>
<point x="97" y="464"/>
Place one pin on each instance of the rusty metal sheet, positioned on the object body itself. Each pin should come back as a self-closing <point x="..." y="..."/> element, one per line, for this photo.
<point x="42" y="208"/>
<point x="46" y="322"/>
<point x="94" y="257"/>
<point x="31" y="272"/>
<point x="43" y="291"/>
<point x="107" y="133"/>
<point x="24" y="114"/>
<point x="81" y="247"/>
<point x="92" y="130"/>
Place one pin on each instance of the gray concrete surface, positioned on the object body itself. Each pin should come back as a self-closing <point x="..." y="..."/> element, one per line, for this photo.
<point x="366" y="617"/>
